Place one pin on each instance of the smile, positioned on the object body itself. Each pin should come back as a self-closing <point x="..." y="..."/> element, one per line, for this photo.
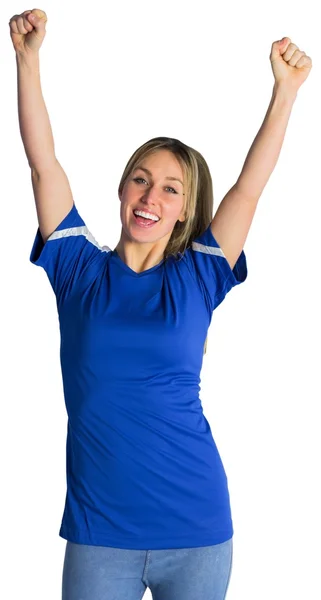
<point x="144" y="223"/>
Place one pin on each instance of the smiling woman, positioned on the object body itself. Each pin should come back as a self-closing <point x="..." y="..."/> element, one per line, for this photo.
<point x="187" y="206"/>
<point x="142" y="465"/>
<point x="143" y="471"/>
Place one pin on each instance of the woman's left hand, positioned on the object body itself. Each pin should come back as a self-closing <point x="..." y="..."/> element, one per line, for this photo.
<point x="290" y="65"/>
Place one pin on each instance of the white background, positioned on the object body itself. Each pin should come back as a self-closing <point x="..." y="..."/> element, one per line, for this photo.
<point x="113" y="76"/>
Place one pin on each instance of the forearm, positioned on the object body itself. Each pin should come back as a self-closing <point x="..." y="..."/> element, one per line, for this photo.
<point x="264" y="152"/>
<point x="34" y="121"/>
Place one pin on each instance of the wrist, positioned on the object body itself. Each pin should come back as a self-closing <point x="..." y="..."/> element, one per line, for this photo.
<point x="29" y="61"/>
<point x="284" y="93"/>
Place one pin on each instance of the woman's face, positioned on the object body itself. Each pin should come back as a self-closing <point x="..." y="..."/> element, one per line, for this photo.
<point x="155" y="186"/>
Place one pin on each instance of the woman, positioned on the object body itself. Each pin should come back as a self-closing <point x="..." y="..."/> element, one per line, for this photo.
<point x="147" y="500"/>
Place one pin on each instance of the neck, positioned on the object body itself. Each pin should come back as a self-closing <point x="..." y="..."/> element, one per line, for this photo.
<point x="140" y="256"/>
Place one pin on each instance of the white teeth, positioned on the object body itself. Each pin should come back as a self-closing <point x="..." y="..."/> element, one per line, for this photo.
<point x="147" y="215"/>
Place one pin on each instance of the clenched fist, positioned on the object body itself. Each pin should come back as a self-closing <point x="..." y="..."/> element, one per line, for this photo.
<point x="28" y="31"/>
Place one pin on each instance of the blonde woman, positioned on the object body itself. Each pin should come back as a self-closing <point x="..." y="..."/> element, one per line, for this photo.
<point x="147" y="500"/>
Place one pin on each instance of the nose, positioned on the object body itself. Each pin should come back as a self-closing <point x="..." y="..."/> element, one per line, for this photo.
<point x="150" y="196"/>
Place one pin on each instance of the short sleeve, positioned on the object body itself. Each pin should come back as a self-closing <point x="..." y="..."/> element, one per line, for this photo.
<point x="212" y="270"/>
<point x="67" y="253"/>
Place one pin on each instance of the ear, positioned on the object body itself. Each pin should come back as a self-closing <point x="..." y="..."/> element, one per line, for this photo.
<point x="182" y="216"/>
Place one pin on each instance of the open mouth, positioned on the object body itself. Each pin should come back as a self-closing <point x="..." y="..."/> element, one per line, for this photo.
<point x="143" y="222"/>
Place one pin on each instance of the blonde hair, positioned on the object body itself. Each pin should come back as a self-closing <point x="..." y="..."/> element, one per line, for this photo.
<point x="198" y="199"/>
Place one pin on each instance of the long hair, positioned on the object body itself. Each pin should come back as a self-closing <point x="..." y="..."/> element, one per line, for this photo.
<point x="198" y="199"/>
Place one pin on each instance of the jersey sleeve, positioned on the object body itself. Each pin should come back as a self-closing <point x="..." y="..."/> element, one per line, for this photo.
<point x="210" y="267"/>
<point x="67" y="253"/>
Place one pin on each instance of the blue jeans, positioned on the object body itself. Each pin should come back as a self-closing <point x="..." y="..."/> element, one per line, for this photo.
<point x="103" y="573"/>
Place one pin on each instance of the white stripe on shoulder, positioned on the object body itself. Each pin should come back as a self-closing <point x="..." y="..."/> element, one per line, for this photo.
<point x="207" y="249"/>
<point x="82" y="230"/>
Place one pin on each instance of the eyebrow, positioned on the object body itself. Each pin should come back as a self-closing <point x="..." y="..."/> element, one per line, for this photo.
<point x="149" y="173"/>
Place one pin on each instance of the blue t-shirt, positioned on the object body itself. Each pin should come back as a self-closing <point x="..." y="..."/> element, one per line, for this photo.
<point x="143" y="470"/>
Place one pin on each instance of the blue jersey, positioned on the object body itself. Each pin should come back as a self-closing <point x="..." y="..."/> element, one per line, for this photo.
<point x="143" y="470"/>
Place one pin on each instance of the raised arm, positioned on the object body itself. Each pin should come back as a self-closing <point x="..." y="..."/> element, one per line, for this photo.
<point x="233" y="218"/>
<point x="51" y="188"/>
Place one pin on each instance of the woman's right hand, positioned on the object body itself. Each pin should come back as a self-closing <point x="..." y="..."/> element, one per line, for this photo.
<point x="28" y="31"/>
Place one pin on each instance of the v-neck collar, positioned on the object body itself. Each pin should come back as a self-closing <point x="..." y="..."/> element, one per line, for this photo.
<point x="122" y="264"/>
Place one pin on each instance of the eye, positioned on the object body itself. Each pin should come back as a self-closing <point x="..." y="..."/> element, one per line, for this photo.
<point x="138" y="179"/>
